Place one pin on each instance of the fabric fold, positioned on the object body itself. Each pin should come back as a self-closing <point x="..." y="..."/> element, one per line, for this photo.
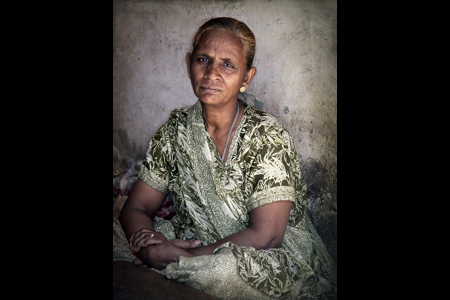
<point x="213" y="200"/>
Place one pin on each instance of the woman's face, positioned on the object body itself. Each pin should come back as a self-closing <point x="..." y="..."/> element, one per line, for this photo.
<point x="218" y="67"/>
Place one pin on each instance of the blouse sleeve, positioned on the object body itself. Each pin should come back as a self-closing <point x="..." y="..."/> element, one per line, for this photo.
<point x="156" y="166"/>
<point x="274" y="171"/>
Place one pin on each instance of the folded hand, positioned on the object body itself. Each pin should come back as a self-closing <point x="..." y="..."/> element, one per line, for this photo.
<point x="159" y="255"/>
<point x="145" y="237"/>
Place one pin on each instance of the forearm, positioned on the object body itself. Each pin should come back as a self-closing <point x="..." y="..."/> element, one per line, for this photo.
<point x="139" y="209"/>
<point x="266" y="229"/>
<point x="247" y="237"/>
<point x="133" y="219"/>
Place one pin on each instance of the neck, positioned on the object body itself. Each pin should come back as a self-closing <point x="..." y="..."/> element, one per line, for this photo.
<point x="219" y="119"/>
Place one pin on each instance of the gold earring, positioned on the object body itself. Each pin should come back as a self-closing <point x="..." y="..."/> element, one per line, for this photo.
<point x="242" y="89"/>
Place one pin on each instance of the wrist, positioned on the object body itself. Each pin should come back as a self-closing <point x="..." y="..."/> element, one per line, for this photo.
<point x="150" y="230"/>
<point x="144" y="237"/>
<point x="202" y="250"/>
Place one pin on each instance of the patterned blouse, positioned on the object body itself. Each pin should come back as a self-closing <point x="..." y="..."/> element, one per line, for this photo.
<point x="213" y="199"/>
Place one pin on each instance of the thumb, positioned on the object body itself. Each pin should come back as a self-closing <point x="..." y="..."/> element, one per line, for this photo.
<point x="186" y="244"/>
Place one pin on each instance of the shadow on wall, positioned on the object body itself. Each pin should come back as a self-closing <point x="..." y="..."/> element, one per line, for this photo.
<point x="321" y="207"/>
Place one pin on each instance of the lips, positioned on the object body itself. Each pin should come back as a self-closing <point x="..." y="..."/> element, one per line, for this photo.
<point x="210" y="89"/>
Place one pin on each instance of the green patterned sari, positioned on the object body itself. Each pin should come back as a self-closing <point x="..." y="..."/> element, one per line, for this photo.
<point x="213" y="199"/>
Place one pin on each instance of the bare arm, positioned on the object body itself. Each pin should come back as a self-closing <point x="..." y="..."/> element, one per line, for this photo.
<point x="266" y="229"/>
<point x="140" y="208"/>
<point x="136" y="218"/>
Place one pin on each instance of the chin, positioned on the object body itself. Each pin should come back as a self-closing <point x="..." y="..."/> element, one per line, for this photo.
<point x="210" y="99"/>
<point x="214" y="99"/>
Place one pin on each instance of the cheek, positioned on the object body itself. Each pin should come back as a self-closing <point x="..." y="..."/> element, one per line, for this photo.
<point x="235" y="81"/>
<point x="196" y="74"/>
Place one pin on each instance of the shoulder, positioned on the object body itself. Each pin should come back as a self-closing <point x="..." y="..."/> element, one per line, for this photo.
<point x="262" y="118"/>
<point x="262" y="124"/>
<point x="178" y="117"/>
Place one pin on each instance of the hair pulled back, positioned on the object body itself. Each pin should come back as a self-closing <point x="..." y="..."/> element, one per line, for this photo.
<point x="240" y="29"/>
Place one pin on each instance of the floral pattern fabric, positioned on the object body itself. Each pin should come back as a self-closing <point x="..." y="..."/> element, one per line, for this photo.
<point x="212" y="199"/>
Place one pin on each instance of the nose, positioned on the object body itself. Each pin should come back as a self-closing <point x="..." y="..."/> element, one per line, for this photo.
<point x="212" y="72"/>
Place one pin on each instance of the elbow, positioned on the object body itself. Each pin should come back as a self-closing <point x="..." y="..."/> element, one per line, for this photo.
<point x="264" y="239"/>
<point x="120" y="217"/>
<point x="261" y="239"/>
<point x="122" y="214"/>
<point x="275" y="242"/>
<point x="272" y="242"/>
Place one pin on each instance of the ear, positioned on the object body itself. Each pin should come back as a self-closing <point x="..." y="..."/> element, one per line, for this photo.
<point x="249" y="77"/>
<point x="188" y="63"/>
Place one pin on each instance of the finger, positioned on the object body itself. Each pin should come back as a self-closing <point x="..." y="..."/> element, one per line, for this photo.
<point x="139" y="240"/>
<point x="142" y="232"/>
<point x="136" y="244"/>
<point x="174" y="251"/>
<point x="184" y="253"/>
<point x="153" y="241"/>
<point x="186" y="244"/>
<point x="142" y="235"/>
<point x="161" y="236"/>
<point x="136" y="237"/>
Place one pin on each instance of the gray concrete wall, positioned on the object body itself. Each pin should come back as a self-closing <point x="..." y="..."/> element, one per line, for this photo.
<point x="296" y="81"/>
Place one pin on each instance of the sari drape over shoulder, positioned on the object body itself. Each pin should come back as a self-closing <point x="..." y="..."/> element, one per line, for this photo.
<point x="213" y="199"/>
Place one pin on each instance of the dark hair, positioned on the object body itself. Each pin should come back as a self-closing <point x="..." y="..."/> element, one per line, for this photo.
<point x="240" y="29"/>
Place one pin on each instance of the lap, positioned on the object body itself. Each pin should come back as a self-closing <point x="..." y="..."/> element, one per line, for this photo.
<point x="217" y="275"/>
<point x="121" y="250"/>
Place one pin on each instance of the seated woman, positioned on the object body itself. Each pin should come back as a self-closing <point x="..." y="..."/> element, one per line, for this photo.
<point x="240" y="230"/>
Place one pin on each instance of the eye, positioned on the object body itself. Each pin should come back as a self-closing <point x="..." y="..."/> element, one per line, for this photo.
<point x="229" y="65"/>
<point x="202" y="59"/>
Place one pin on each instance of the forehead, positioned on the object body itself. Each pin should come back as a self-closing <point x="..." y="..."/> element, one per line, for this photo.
<point x="223" y="43"/>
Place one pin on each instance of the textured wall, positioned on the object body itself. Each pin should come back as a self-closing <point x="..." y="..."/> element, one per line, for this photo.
<point x="296" y="81"/>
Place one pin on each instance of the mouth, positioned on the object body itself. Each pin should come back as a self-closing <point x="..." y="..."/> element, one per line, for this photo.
<point x="209" y="89"/>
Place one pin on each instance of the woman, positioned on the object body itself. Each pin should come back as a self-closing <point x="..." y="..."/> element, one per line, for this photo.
<point x="240" y="230"/>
